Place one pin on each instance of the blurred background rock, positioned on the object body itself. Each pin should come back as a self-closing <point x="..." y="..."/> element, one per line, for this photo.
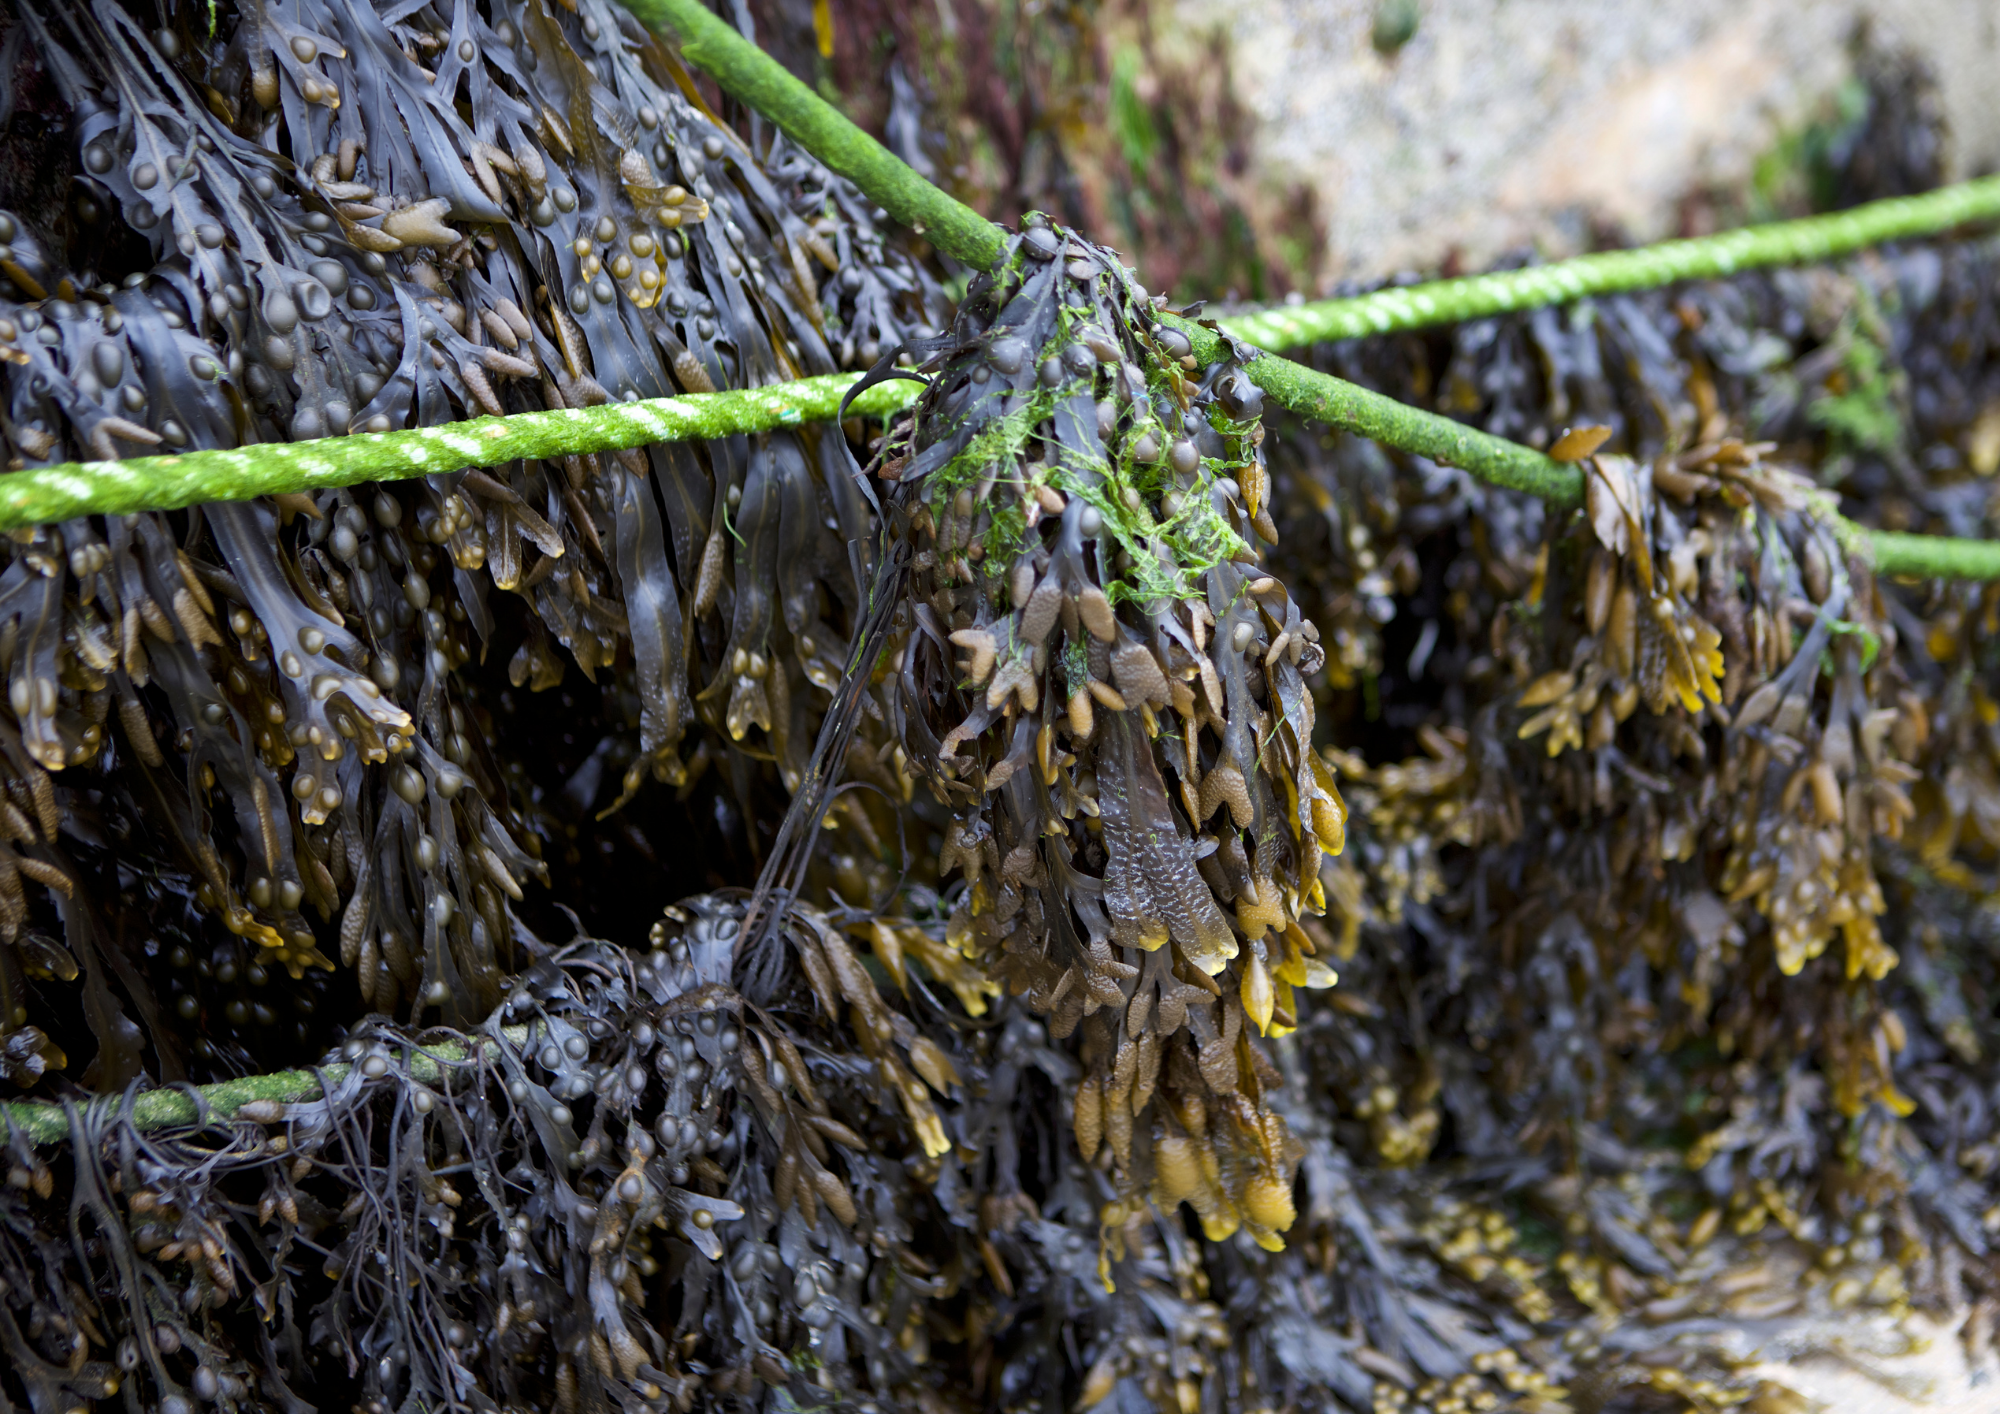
<point x="1261" y="147"/>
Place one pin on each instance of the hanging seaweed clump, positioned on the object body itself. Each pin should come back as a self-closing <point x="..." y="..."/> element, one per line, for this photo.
<point x="1126" y="742"/>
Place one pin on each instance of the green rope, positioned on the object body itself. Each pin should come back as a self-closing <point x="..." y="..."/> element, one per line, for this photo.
<point x="43" y="495"/>
<point x="1338" y="403"/>
<point x="1703" y="258"/>
<point x="164" y="1109"/>
<point x="1495" y="460"/>
<point x="760" y="81"/>
<point x="43" y="1123"/>
<point x="1924" y="556"/>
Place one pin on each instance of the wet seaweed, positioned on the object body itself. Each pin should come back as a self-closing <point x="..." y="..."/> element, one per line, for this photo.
<point x="530" y="1213"/>
<point x="1660" y="1043"/>
<point x="283" y="226"/>
<point x="1137" y="814"/>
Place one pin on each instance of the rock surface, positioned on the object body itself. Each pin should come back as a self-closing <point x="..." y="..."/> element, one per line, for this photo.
<point x="1535" y="121"/>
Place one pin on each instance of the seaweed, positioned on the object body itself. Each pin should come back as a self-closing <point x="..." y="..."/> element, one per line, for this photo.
<point x="1074" y="747"/>
<point x="283" y="225"/>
